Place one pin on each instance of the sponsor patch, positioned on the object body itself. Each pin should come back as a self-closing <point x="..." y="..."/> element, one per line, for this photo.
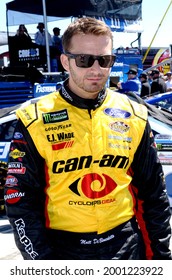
<point x="24" y="239"/>
<point x="16" y="154"/>
<point x="16" y="168"/>
<point x="58" y="127"/>
<point x="71" y="164"/>
<point x="117" y="113"/>
<point x="107" y="185"/>
<point x="119" y="127"/>
<point x="26" y="114"/>
<point x="120" y="138"/>
<point x="18" y="135"/>
<point x="60" y="137"/>
<point x="11" y="181"/>
<point x="63" y="145"/>
<point x="4" y="150"/>
<point x="54" y="117"/>
<point x="13" y="196"/>
<point x="117" y="146"/>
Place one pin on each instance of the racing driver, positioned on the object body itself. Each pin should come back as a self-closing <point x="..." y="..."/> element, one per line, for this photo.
<point x="84" y="180"/>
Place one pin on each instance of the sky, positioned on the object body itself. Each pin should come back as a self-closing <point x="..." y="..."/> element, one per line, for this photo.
<point x="157" y="25"/>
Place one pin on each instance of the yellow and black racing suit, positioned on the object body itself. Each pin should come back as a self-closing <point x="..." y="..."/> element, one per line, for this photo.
<point x="84" y="180"/>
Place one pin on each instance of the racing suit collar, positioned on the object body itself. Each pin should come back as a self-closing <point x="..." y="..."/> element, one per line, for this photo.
<point x="80" y="102"/>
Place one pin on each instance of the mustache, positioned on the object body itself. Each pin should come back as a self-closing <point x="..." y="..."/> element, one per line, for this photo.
<point x="92" y="75"/>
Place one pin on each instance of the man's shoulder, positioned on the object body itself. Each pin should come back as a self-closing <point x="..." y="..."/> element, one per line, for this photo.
<point x="146" y="84"/>
<point x="124" y="102"/>
<point x="162" y="80"/>
<point x="140" y="110"/>
<point x="32" y="113"/>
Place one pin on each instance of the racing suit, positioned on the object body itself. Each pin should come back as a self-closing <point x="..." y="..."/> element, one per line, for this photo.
<point x="84" y="180"/>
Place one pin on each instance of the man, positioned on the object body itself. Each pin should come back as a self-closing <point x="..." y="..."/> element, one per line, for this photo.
<point x="40" y="35"/>
<point x="158" y="85"/>
<point x="132" y="84"/>
<point x="84" y="180"/>
<point x="168" y="81"/>
<point x="58" y="49"/>
<point x="57" y="41"/>
<point x="145" y="88"/>
<point x="22" y="38"/>
<point x="40" y="40"/>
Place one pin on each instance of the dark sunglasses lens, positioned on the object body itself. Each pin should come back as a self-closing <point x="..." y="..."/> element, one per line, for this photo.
<point x="86" y="61"/>
<point x="106" y="61"/>
<point x="82" y="61"/>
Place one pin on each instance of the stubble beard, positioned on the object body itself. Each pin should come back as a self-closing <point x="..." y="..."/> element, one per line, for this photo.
<point x="93" y="87"/>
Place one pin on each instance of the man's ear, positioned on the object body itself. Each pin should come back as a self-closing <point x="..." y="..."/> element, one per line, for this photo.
<point x="65" y="62"/>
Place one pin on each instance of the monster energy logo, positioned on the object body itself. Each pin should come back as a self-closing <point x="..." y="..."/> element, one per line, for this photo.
<point x="54" y="117"/>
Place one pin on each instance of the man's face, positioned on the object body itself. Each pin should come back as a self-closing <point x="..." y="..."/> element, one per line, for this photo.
<point x="169" y="76"/>
<point x="155" y="76"/>
<point x="87" y="82"/>
<point x="41" y="28"/>
<point x="131" y="76"/>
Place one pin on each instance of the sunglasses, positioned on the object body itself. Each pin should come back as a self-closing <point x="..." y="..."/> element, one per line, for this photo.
<point x="87" y="60"/>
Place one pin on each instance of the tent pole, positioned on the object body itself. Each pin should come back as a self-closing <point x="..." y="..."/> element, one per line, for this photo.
<point x="7" y="27"/>
<point x="46" y="36"/>
<point x="156" y="32"/>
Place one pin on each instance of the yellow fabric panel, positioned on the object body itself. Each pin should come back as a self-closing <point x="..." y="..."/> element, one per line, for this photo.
<point x="88" y="163"/>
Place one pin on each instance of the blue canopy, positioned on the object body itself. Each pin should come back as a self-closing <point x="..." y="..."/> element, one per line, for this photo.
<point x="119" y="15"/>
<point x="118" y="12"/>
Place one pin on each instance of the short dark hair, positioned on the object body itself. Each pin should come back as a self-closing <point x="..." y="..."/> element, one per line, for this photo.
<point x="156" y="71"/>
<point x="143" y="75"/>
<point x="22" y="27"/>
<point x="55" y="29"/>
<point x="40" y="24"/>
<point x="85" y="25"/>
